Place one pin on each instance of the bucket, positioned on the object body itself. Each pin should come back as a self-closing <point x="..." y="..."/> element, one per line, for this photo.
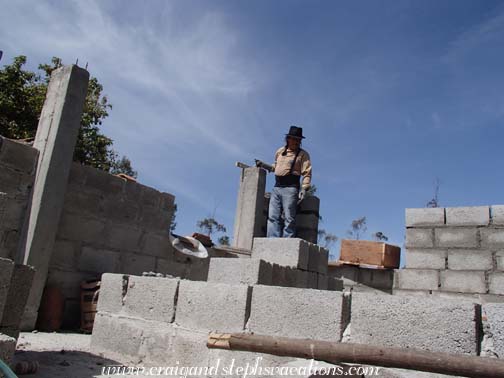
<point x="90" y="290"/>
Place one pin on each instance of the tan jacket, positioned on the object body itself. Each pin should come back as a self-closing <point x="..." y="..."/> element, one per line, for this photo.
<point x="302" y="167"/>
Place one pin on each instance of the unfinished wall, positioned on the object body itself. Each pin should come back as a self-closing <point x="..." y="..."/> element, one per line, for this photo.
<point x="454" y="250"/>
<point x="17" y="171"/>
<point x="109" y="225"/>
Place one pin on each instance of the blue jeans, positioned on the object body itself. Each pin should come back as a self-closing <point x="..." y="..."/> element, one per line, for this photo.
<point x="282" y="199"/>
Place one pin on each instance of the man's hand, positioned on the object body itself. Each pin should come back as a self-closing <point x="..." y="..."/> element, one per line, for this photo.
<point x="263" y="165"/>
<point x="302" y="195"/>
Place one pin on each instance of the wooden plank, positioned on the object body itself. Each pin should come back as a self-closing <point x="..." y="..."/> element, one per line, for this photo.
<point x="370" y="253"/>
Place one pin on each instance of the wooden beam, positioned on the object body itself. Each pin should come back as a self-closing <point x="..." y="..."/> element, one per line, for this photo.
<point x="335" y="353"/>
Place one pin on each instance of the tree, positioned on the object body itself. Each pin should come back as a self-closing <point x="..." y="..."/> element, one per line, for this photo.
<point x="22" y="95"/>
<point x="434" y="202"/>
<point x="224" y="240"/>
<point x="173" y="224"/>
<point x="210" y="225"/>
<point x="326" y="239"/>
<point x="359" y="227"/>
<point x="380" y="236"/>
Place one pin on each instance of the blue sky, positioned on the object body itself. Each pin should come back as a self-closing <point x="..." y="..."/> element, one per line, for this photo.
<point x="391" y="95"/>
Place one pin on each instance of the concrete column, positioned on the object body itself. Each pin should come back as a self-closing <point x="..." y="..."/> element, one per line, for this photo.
<point x="56" y="137"/>
<point x="249" y="210"/>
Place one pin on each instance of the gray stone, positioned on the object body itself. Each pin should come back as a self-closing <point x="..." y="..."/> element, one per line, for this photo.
<point x="463" y="281"/>
<point x="462" y="259"/>
<point x="425" y="217"/>
<point x="55" y="140"/>
<point x="240" y="271"/>
<point x="419" y="238"/>
<point x="249" y="207"/>
<point x="492" y="237"/>
<point x="113" y="288"/>
<point x="426" y="258"/>
<point x="416" y="279"/>
<point x="98" y="260"/>
<point x="456" y="237"/>
<point x="293" y="312"/>
<point x="497" y="212"/>
<point x="132" y="263"/>
<point x="7" y="348"/>
<point x="496" y="283"/>
<point x="124" y="238"/>
<point x="114" y="335"/>
<point x="6" y="270"/>
<point x="18" y="156"/>
<point x="151" y="298"/>
<point x="414" y="322"/>
<point x="493" y="315"/>
<point x="157" y="245"/>
<point x="468" y="216"/>
<point x="291" y="252"/>
<point x="19" y="289"/>
<point x="210" y="306"/>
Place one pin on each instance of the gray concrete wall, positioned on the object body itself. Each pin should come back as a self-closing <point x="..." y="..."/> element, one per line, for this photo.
<point x="110" y="225"/>
<point x="17" y="172"/>
<point x="454" y="251"/>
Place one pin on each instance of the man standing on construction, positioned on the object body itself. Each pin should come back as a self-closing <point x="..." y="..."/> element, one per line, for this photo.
<point x="291" y="162"/>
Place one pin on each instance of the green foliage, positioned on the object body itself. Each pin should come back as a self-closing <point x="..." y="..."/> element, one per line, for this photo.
<point x="210" y="225"/>
<point x="22" y="95"/>
<point x="173" y="224"/>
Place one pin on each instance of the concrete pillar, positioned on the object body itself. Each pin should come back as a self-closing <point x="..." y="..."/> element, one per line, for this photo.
<point x="249" y="210"/>
<point x="56" y="137"/>
<point x="307" y="219"/>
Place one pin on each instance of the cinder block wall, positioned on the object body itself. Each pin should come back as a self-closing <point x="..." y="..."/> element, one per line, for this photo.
<point x="109" y="225"/>
<point x="454" y="250"/>
<point x="18" y="163"/>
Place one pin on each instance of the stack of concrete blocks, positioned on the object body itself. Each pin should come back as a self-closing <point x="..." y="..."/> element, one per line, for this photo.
<point x="18" y="163"/>
<point x="112" y="225"/>
<point x="288" y="262"/>
<point x="15" y="284"/>
<point x="307" y="219"/>
<point x="166" y="322"/>
<point x="454" y="251"/>
<point x="362" y="279"/>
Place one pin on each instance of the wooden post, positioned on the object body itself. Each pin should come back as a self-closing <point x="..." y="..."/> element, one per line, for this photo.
<point x="335" y="353"/>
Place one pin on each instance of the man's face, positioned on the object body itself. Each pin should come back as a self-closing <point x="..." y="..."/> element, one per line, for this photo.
<point x="293" y="143"/>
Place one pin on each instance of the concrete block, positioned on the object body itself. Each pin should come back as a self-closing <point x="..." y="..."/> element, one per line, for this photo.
<point x="497" y="214"/>
<point x="456" y="237"/>
<point x="349" y="274"/>
<point x="64" y="255"/>
<point x="151" y="298"/>
<point x="209" y="306"/>
<point x="463" y="259"/>
<point x="240" y="271"/>
<point x="468" y="216"/>
<point x="416" y="279"/>
<point x="293" y="312"/>
<point x="10" y="243"/>
<point x="113" y="288"/>
<point x="493" y="320"/>
<point x="492" y="238"/>
<point x="173" y="268"/>
<point x="309" y="235"/>
<point x="334" y="284"/>
<point x="463" y="281"/>
<point x="114" y="335"/>
<point x="198" y="269"/>
<point x="80" y="202"/>
<point x="307" y="221"/>
<point x="496" y="283"/>
<point x="290" y="276"/>
<point x="291" y="252"/>
<point x="13" y="214"/>
<point x="18" y="156"/>
<point x="6" y="270"/>
<point x="313" y="257"/>
<point x="376" y="278"/>
<point x="150" y="196"/>
<point x="156" y="244"/>
<point x="419" y="238"/>
<point x="499" y="260"/>
<point x="9" y="180"/>
<point x="77" y="176"/>
<point x="19" y="289"/>
<point x="322" y="281"/>
<point x="154" y="218"/>
<point x="77" y="227"/>
<point x="323" y="261"/>
<point x="426" y="258"/>
<point x="425" y="217"/>
<point x="103" y="182"/>
<point x="122" y="237"/>
<point x="302" y="278"/>
<point x="167" y="201"/>
<point x="132" y="263"/>
<point x="312" y="280"/>
<point x="188" y="349"/>
<point x="7" y="348"/>
<point x="98" y="260"/>
<point x="414" y="322"/>
<point x="120" y="210"/>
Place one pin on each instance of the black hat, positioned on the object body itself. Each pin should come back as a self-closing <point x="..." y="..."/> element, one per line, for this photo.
<point x="296" y="132"/>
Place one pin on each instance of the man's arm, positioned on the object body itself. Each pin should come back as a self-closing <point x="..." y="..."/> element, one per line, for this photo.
<point x="306" y="171"/>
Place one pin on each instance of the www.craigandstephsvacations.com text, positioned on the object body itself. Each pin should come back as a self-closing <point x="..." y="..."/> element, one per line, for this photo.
<point x="232" y="368"/>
